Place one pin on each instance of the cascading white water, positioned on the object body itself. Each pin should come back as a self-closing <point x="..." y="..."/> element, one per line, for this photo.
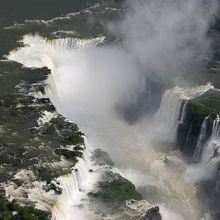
<point x="211" y="155"/>
<point x="183" y="113"/>
<point x="201" y="139"/>
<point x="72" y="203"/>
<point x="213" y="144"/>
<point x="207" y="168"/>
<point x="39" y="52"/>
<point x="74" y="185"/>
<point x="166" y="118"/>
<point x="75" y="188"/>
<point x="216" y="128"/>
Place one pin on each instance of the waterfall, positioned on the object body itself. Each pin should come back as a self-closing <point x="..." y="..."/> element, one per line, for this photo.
<point x="39" y="52"/>
<point x="201" y="139"/>
<point x="71" y="185"/>
<point x="75" y="187"/>
<point x="216" y="127"/>
<point x="207" y="155"/>
<point x="166" y="117"/>
<point x="74" y="43"/>
<point x="215" y="137"/>
<point x="183" y="113"/>
<point x="165" y="121"/>
<point x="211" y="148"/>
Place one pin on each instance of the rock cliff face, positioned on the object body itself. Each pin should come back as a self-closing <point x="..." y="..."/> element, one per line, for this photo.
<point x="194" y="129"/>
<point x="198" y="137"/>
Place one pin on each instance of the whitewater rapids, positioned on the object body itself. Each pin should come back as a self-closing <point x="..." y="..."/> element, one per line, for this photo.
<point x="84" y="88"/>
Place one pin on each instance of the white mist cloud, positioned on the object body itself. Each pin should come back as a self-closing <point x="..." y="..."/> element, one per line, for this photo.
<point x="167" y="37"/>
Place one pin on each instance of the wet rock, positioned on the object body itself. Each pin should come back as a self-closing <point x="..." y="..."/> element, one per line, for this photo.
<point x="40" y="88"/>
<point x="44" y="100"/>
<point x="78" y="148"/>
<point x="153" y="214"/>
<point x="53" y="187"/>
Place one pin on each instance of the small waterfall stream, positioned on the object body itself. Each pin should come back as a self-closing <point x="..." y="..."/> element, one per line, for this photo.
<point x="216" y="127"/>
<point x="183" y="113"/>
<point x="211" y="155"/>
<point x="210" y="149"/>
<point x="201" y="139"/>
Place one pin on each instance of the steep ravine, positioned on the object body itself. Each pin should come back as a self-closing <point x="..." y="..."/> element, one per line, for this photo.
<point x="161" y="178"/>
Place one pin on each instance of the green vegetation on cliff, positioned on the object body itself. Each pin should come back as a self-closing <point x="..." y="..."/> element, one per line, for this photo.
<point x="115" y="191"/>
<point x="205" y="105"/>
<point x="208" y="103"/>
<point x="11" y="211"/>
<point x="69" y="154"/>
